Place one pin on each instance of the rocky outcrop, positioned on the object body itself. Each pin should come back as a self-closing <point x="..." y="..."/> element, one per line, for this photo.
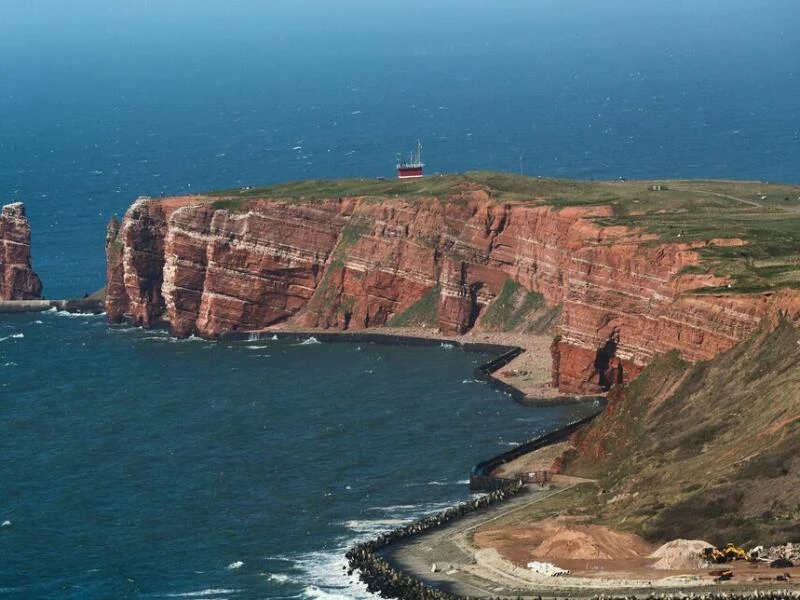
<point x="17" y="279"/>
<point x="208" y="267"/>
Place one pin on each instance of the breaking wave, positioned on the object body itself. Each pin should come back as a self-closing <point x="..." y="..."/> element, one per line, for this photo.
<point x="208" y="593"/>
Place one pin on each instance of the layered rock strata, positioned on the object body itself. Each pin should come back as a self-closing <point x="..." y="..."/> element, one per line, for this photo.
<point x="17" y="279"/>
<point x="352" y="263"/>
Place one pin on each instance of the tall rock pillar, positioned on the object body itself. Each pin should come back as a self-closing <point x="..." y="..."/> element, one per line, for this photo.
<point x="17" y="279"/>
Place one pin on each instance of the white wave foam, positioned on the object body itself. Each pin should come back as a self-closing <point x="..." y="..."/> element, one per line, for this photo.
<point x="374" y="526"/>
<point x="409" y="512"/>
<point x="309" y="341"/>
<point x="11" y="363"/>
<point x="447" y="346"/>
<point x="127" y="329"/>
<point x="459" y="482"/>
<point x="324" y="575"/>
<point x="209" y="593"/>
<point x="69" y="315"/>
<point x="393" y="507"/>
<point x="237" y="564"/>
<point x="313" y="591"/>
<point x="38" y="322"/>
<point x="253" y="347"/>
<point x="164" y="336"/>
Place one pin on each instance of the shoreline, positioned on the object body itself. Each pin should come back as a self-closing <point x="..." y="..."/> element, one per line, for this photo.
<point x="526" y="377"/>
<point x="369" y="558"/>
<point x="434" y="558"/>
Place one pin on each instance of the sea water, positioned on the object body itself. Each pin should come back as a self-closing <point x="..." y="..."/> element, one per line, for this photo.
<point x="137" y="465"/>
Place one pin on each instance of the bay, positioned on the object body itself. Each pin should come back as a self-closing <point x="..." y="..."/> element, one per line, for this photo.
<point x="139" y="465"/>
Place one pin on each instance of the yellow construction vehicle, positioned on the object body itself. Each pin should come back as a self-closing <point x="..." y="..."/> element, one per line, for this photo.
<point x="728" y="553"/>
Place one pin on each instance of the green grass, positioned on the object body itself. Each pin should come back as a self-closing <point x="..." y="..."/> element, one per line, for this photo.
<point x="327" y="294"/>
<point x="351" y="233"/>
<point x="424" y="312"/>
<point x="513" y="305"/>
<point x="231" y="204"/>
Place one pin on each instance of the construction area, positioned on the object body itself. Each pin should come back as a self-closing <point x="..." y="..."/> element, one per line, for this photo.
<point x="533" y="545"/>
<point x="498" y="554"/>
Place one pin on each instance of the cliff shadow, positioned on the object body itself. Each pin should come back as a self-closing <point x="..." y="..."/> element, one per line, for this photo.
<point x="608" y="368"/>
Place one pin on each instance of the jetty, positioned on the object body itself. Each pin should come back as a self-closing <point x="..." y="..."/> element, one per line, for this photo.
<point x="89" y="305"/>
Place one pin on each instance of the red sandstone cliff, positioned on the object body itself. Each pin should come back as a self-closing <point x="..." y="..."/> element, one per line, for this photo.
<point x="352" y="263"/>
<point x="17" y="279"/>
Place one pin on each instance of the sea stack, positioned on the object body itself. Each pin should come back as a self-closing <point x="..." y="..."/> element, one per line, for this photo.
<point x="17" y="279"/>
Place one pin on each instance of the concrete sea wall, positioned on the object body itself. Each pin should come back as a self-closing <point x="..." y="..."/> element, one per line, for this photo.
<point x="81" y="305"/>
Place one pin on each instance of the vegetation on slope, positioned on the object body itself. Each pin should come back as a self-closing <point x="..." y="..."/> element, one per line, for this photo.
<point x="514" y="305"/>
<point x="709" y="450"/>
<point x="423" y="313"/>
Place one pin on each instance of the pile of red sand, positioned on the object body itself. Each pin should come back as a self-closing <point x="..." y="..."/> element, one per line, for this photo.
<point x="589" y="542"/>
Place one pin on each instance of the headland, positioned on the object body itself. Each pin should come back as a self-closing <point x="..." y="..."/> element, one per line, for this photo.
<point x="679" y="300"/>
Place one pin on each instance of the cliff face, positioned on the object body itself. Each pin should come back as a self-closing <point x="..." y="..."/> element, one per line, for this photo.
<point x="17" y="279"/>
<point x="352" y="263"/>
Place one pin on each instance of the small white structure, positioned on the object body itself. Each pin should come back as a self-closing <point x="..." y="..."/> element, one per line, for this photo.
<point x="548" y="569"/>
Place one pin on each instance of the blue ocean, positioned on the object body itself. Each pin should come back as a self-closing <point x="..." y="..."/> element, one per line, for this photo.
<point x="136" y="465"/>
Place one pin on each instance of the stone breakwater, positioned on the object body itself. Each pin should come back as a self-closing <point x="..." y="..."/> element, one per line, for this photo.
<point x="383" y="579"/>
<point x="355" y="263"/>
<point x="79" y="305"/>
